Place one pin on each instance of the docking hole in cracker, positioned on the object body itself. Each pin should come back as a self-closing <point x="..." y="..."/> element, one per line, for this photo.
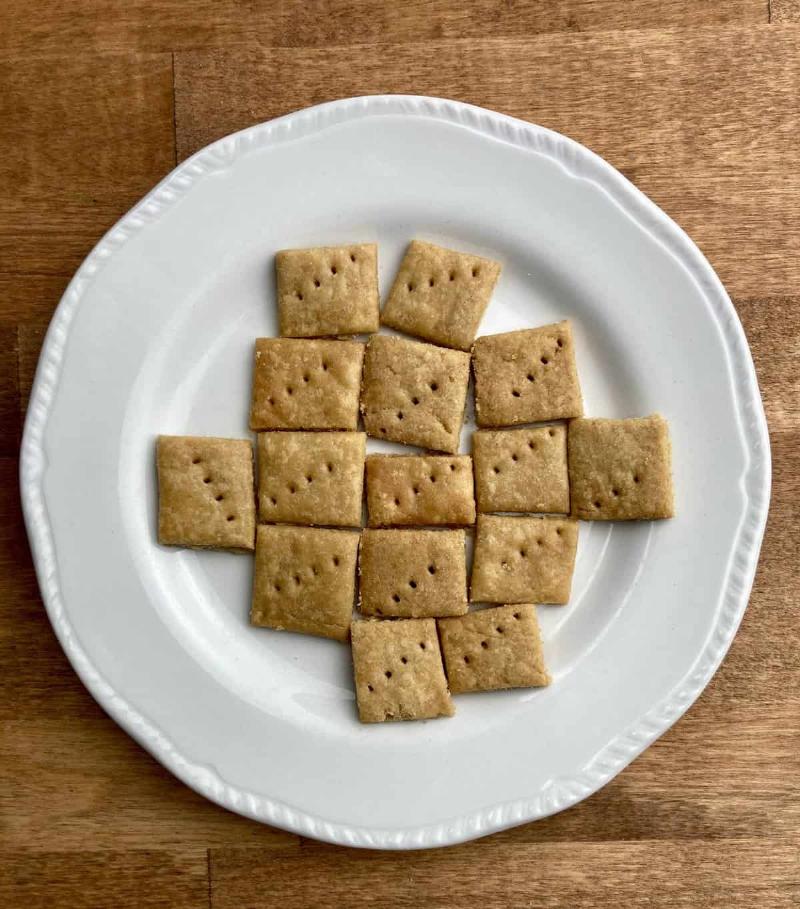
<point x="414" y="393"/>
<point x="521" y="470"/>
<point x="398" y="670"/>
<point x="524" y="487"/>
<point x="440" y="294"/>
<point x="329" y="290"/>
<point x="420" y="490"/>
<point x="526" y="376"/>
<point x="413" y="573"/>
<point x="492" y="649"/>
<point x="305" y="580"/>
<point x="523" y="559"/>
<point x="306" y="384"/>
<point x="314" y="478"/>
<point x="205" y="493"/>
<point x="621" y="470"/>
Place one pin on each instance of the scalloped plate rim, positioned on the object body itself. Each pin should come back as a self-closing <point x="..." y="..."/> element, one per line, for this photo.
<point x="616" y="755"/>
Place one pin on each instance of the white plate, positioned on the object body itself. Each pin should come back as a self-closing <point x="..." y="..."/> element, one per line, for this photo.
<point x="154" y="335"/>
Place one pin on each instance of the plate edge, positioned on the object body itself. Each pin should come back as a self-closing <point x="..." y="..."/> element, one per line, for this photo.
<point x="581" y="163"/>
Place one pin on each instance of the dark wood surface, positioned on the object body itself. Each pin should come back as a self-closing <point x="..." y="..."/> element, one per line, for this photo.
<point x="696" y="102"/>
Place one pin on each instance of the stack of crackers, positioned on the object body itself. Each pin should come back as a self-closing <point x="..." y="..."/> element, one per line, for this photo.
<point x="522" y="490"/>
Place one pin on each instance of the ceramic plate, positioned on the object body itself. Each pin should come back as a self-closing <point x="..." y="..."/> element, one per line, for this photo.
<point x="155" y="335"/>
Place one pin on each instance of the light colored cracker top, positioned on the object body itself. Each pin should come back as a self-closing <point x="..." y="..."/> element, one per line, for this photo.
<point x="311" y="477"/>
<point x="413" y="573"/>
<point x="494" y="648"/>
<point x="302" y="384"/>
<point x="521" y="470"/>
<point x="440" y="294"/>
<point x="206" y="492"/>
<point x="523" y="560"/>
<point x="526" y="376"/>
<point x="328" y="290"/>
<point x="414" y="393"/>
<point x="621" y="470"/>
<point x="420" y="489"/>
<point x="398" y="671"/>
<point x="304" y="580"/>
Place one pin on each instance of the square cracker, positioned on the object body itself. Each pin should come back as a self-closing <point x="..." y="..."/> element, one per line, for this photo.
<point x="440" y="294"/>
<point x="413" y="573"/>
<point x="621" y="470"/>
<point x="526" y="376"/>
<point x="420" y="489"/>
<point x="398" y="671"/>
<point x="414" y="393"/>
<point x="523" y="560"/>
<point x="311" y="477"/>
<point x="301" y="384"/>
<point x="206" y="493"/>
<point x="521" y="470"/>
<point x="329" y="290"/>
<point x="493" y="648"/>
<point x="305" y="580"/>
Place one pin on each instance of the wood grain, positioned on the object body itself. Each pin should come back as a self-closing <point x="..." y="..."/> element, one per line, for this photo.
<point x="776" y="357"/>
<point x="83" y="140"/>
<point x="784" y="10"/>
<point x="78" y="781"/>
<point x="546" y="875"/>
<point x="88" y="880"/>
<point x="125" y="26"/>
<point x="130" y="26"/>
<point x="725" y="178"/>
<point x="697" y="103"/>
<point x="9" y="391"/>
<point x="26" y="298"/>
<point x="30" y="338"/>
<point x="26" y="303"/>
<point x="697" y="782"/>
<point x="110" y="797"/>
<point x="330" y="22"/>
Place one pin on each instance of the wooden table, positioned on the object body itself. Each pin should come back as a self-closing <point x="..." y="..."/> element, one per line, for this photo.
<point x="697" y="102"/>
